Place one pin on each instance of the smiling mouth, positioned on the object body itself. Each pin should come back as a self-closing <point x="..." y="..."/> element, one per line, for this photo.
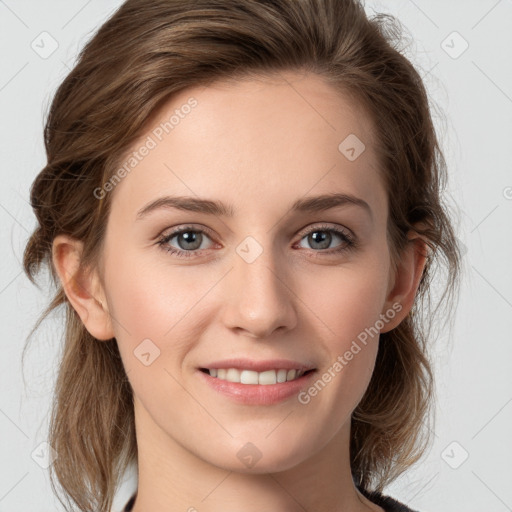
<point x="268" y="377"/>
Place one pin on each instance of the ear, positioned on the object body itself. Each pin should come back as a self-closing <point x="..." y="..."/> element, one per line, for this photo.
<point x="82" y="288"/>
<point x="404" y="281"/>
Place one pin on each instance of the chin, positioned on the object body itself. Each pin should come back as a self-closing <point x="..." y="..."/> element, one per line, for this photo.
<point x="259" y="457"/>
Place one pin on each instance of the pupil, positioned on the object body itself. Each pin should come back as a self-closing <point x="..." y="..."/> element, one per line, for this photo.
<point x="190" y="238"/>
<point x="320" y="237"/>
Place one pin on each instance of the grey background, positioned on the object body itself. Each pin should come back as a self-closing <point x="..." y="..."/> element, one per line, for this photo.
<point x="471" y="92"/>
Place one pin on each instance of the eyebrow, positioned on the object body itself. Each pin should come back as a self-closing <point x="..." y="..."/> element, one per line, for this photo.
<point x="211" y="207"/>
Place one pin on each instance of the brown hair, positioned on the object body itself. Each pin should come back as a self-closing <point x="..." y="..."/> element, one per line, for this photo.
<point x="151" y="49"/>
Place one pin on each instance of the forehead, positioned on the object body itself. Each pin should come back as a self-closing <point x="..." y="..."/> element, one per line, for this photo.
<point x="254" y="142"/>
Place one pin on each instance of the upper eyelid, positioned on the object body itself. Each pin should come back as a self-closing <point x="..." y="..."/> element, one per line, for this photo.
<point x="324" y="226"/>
<point x="177" y="231"/>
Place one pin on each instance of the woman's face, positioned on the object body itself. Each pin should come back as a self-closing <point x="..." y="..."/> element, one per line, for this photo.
<point x="265" y="273"/>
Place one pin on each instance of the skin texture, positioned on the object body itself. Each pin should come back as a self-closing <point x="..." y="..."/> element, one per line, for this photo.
<point x="257" y="145"/>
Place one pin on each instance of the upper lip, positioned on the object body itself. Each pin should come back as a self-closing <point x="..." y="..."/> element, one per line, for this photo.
<point x="259" y="366"/>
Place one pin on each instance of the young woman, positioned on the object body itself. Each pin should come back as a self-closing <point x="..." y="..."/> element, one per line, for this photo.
<point x="241" y="212"/>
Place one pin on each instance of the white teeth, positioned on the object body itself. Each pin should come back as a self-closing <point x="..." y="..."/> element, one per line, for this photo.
<point x="252" y="377"/>
<point x="268" y="377"/>
<point x="290" y="375"/>
<point x="248" y="377"/>
<point x="233" y="375"/>
<point x="281" y="375"/>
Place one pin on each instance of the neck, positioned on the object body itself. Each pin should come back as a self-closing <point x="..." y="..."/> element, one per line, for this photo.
<point x="171" y="478"/>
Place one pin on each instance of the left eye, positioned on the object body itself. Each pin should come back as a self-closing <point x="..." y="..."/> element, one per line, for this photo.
<point x="324" y="236"/>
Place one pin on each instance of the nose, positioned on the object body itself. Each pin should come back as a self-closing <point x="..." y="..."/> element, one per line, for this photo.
<point x="260" y="298"/>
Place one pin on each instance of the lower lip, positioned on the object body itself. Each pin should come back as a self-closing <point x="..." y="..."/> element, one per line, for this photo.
<point x="257" y="394"/>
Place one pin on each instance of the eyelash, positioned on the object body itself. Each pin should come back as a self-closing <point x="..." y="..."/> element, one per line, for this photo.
<point x="349" y="244"/>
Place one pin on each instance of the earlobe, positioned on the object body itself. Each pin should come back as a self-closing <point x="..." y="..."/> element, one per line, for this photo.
<point x="82" y="288"/>
<point x="406" y="280"/>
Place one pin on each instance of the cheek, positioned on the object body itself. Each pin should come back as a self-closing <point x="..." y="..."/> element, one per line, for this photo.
<point x="348" y="308"/>
<point x="346" y="301"/>
<point x="157" y="321"/>
<point x="156" y="302"/>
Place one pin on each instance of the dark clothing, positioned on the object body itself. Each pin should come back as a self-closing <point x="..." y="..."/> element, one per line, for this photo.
<point x="387" y="503"/>
<point x="130" y="503"/>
